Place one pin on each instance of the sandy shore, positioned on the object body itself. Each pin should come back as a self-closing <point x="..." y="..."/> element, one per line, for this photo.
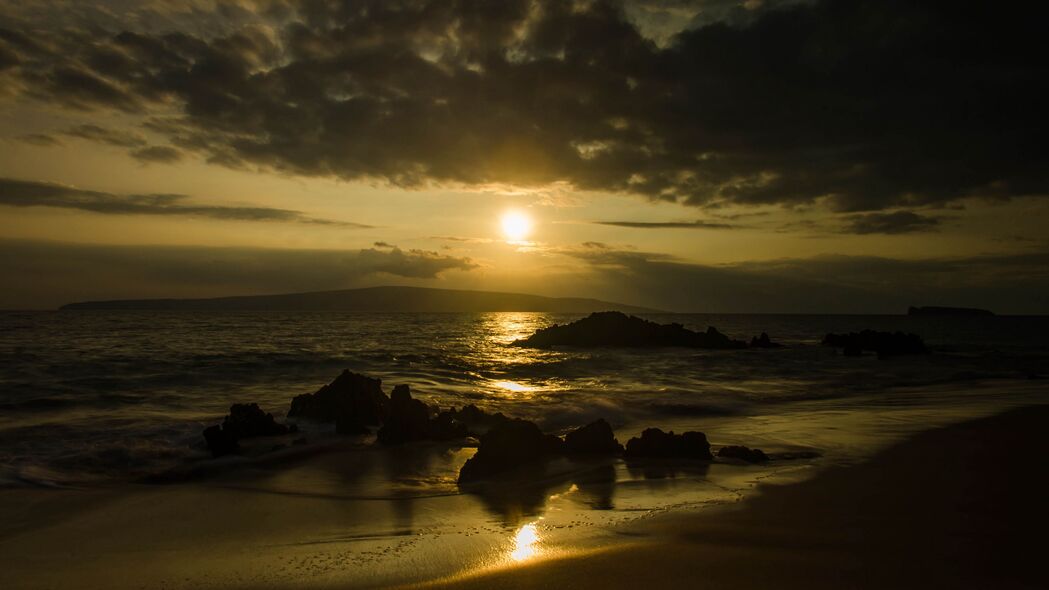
<point x="957" y="507"/>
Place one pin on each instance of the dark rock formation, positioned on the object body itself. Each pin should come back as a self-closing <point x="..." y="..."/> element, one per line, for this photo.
<point x="243" y="421"/>
<point x="764" y="341"/>
<point x="476" y="420"/>
<point x="612" y="328"/>
<point x="934" y="310"/>
<point x="508" y="446"/>
<point x="884" y="343"/>
<point x="247" y="420"/>
<point x="594" y="438"/>
<point x="408" y="419"/>
<point x="656" y="443"/>
<point x="220" y="442"/>
<point x="352" y="400"/>
<point x="743" y="454"/>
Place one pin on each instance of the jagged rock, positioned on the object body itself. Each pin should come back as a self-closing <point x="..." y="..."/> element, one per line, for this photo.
<point x="743" y="454"/>
<point x="243" y="421"/>
<point x="509" y="445"/>
<point x="612" y="328"/>
<point x="408" y="419"/>
<point x="445" y="426"/>
<point x="475" y="419"/>
<point x="352" y="399"/>
<point x="884" y="343"/>
<point x="764" y="341"/>
<point x="594" y="438"/>
<point x="220" y="442"/>
<point x="247" y="420"/>
<point x="656" y="443"/>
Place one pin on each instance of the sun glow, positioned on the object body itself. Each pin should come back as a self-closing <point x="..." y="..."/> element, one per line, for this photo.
<point x="516" y="226"/>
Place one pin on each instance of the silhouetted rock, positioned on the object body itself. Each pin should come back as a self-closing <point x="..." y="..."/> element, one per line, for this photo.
<point x="612" y="328"/>
<point x="884" y="343"/>
<point x="764" y="341"/>
<point x="656" y="443"/>
<point x="408" y="419"/>
<point x="219" y="442"/>
<point x="936" y="310"/>
<point x="243" y="421"/>
<point x="445" y="426"/>
<point x="507" y="446"/>
<point x="743" y="454"/>
<point x="352" y="399"/>
<point x="594" y="438"/>
<point x="247" y="420"/>
<point x="475" y="419"/>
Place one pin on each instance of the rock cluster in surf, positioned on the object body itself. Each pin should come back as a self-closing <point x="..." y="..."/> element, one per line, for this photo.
<point x="885" y="344"/>
<point x="507" y="447"/>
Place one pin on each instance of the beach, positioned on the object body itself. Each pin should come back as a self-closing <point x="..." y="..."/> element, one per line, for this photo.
<point x="956" y="507"/>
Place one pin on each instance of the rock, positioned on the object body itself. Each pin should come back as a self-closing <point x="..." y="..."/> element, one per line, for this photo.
<point x="243" y="421"/>
<point x="743" y="454"/>
<point x="220" y="442"/>
<point x="656" y="443"/>
<point x="886" y="344"/>
<point x="247" y="420"/>
<point x="764" y="341"/>
<point x="612" y="328"/>
<point x="445" y="426"/>
<point x="408" y="419"/>
<point x="475" y="419"/>
<point x="594" y="438"/>
<point x="352" y="399"/>
<point x="507" y="446"/>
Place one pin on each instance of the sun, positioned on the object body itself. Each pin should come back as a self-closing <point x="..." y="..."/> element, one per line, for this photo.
<point x="516" y="226"/>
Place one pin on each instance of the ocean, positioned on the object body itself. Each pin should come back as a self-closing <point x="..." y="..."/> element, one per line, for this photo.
<point x="101" y="398"/>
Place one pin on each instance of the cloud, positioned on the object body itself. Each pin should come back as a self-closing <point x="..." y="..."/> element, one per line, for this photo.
<point x="860" y="105"/>
<point x="161" y="154"/>
<point x="670" y="224"/>
<point x="51" y="274"/>
<point x="40" y="139"/>
<point x="897" y="222"/>
<point x="23" y="193"/>
<point x="105" y="135"/>
<point x="821" y="284"/>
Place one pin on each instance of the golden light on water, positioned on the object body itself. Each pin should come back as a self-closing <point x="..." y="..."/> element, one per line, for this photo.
<point x="515" y="225"/>
<point x="526" y="542"/>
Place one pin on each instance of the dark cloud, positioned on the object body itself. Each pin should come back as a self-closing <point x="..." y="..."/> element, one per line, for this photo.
<point x="897" y="222"/>
<point x="40" y="139"/>
<point x="105" y="135"/>
<point x="52" y="274"/>
<point x="160" y="154"/>
<point x="823" y="284"/>
<point x="859" y="104"/>
<point x="22" y="193"/>
<point x="699" y="224"/>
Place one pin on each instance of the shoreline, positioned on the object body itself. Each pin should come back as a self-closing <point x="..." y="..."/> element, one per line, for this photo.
<point x="958" y="506"/>
<point x="364" y="517"/>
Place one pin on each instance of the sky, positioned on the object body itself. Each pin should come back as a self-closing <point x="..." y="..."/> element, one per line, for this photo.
<point x="791" y="156"/>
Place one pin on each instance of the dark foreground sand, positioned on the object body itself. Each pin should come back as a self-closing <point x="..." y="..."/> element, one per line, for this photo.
<point x="959" y="507"/>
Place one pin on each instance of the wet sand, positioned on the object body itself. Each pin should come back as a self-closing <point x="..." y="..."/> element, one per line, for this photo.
<point x="956" y="507"/>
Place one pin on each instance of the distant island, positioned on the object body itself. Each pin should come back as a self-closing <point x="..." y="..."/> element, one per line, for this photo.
<point x="934" y="310"/>
<point x="373" y="299"/>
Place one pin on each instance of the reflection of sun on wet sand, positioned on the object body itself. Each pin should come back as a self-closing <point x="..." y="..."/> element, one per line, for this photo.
<point x="958" y="507"/>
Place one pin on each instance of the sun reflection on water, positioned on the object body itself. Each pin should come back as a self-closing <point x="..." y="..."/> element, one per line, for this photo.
<point x="525" y="543"/>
